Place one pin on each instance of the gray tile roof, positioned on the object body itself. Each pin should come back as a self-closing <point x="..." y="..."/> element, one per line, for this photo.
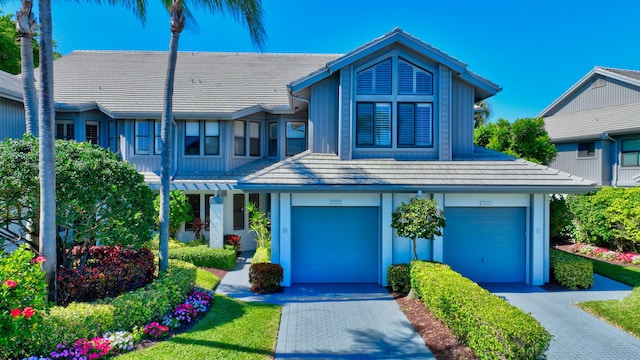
<point x="633" y="74"/>
<point x="10" y="86"/>
<point x="592" y="123"/>
<point x="130" y="83"/>
<point x="486" y="171"/>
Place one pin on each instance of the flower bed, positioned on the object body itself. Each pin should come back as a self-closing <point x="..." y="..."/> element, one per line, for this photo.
<point x="195" y="305"/>
<point x="606" y="254"/>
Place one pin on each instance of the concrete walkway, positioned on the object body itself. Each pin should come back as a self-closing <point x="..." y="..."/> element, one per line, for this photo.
<point x="333" y="321"/>
<point x="576" y="333"/>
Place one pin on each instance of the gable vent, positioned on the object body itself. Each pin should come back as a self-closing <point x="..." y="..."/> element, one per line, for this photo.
<point x="599" y="82"/>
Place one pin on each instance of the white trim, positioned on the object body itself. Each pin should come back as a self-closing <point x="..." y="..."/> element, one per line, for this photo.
<point x="335" y="199"/>
<point x="275" y="224"/>
<point x="386" y="236"/>
<point x="285" y="237"/>
<point x="537" y="240"/>
<point x="487" y="200"/>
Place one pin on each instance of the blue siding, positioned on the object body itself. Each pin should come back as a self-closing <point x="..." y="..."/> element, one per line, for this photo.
<point x="335" y="244"/>
<point x="596" y="169"/>
<point x="614" y="93"/>
<point x="486" y="244"/>
<point x="444" y="114"/>
<point x="12" y="119"/>
<point x="345" y="114"/>
<point x="323" y="116"/>
<point x="461" y="118"/>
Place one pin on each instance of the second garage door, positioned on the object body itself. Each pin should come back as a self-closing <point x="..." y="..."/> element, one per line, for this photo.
<point x="486" y="244"/>
<point x="335" y="245"/>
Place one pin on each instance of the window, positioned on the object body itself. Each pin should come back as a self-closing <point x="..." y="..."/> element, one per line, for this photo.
<point x="238" y="211"/>
<point x="587" y="150"/>
<point x="64" y="130"/>
<point x="212" y="138"/>
<point x="373" y="124"/>
<point x="414" y="124"/>
<point x="192" y="138"/>
<point x="142" y="133"/>
<point x="157" y="137"/>
<point x="404" y="109"/>
<point x="255" y="199"/>
<point x="296" y="137"/>
<point x="91" y="132"/>
<point x="239" y="139"/>
<point x="273" y="139"/>
<point x="194" y="201"/>
<point x="254" y="139"/>
<point x="631" y="152"/>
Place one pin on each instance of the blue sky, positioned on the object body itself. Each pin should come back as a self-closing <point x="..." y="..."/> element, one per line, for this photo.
<point x="534" y="50"/>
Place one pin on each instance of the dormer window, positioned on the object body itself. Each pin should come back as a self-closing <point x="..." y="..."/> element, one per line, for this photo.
<point x="394" y="105"/>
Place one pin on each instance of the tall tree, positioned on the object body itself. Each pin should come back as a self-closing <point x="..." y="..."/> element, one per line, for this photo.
<point x="26" y="26"/>
<point x="46" y="163"/>
<point x="481" y="113"/>
<point x="250" y="12"/>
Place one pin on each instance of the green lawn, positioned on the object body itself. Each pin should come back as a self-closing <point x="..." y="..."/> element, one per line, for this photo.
<point x="206" y="280"/>
<point x="623" y="313"/>
<point x="231" y="330"/>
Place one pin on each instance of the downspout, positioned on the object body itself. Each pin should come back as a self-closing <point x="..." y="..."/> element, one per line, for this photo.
<point x="614" y="180"/>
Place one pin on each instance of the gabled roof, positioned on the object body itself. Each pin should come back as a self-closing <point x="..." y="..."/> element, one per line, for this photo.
<point x="484" y="171"/>
<point x="10" y="86"/>
<point x="207" y="85"/>
<point x="484" y="88"/>
<point x="631" y="77"/>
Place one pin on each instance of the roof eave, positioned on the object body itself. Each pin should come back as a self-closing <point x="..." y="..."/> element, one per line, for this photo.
<point x="561" y="189"/>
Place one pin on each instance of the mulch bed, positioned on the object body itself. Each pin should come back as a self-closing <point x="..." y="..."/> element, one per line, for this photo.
<point x="435" y="334"/>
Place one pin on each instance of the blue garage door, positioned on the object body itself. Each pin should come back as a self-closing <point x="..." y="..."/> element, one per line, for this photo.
<point x="335" y="245"/>
<point x="486" y="244"/>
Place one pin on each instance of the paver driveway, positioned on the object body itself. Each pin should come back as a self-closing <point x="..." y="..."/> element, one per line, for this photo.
<point x="336" y="321"/>
<point x="576" y="333"/>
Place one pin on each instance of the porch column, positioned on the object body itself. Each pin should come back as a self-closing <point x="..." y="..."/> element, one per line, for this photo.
<point x="386" y="208"/>
<point x="438" y="243"/>
<point x="216" y="217"/>
<point x="285" y="237"/>
<point x="275" y="225"/>
<point x="538" y="241"/>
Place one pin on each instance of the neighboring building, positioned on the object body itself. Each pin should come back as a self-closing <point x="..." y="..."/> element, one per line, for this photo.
<point x="329" y="145"/>
<point x="11" y="106"/>
<point x="596" y="127"/>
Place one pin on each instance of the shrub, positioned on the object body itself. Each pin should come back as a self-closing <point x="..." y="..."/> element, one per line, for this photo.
<point x="87" y="320"/>
<point x="608" y="218"/>
<point x="261" y="256"/>
<point x="110" y="271"/>
<point x="398" y="277"/>
<point x="204" y="256"/>
<point x="560" y="218"/>
<point x="233" y="240"/>
<point x="265" y="278"/>
<point x="23" y="301"/>
<point x="571" y="271"/>
<point x="490" y="326"/>
<point x="179" y="210"/>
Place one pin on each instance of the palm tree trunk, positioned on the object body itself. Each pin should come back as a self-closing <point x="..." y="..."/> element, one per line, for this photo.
<point x="26" y="28"/>
<point x="177" y="25"/>
<point x="47" y="150"/>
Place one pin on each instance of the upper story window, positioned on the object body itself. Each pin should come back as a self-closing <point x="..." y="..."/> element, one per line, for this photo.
<point x="254" y="139"/>
<point x="146" y="131"/>
<point x="273" y="139"/>
<point x="394" y="105"/>
<point x="296" y="137"/>
<point x="631" y="152"/>
<point x="202" y="137"/>
<point x="239" y="142"/>
<point x="92" y="132"/>
<point x="64" y="130"/>
<point x="587" y="150"/>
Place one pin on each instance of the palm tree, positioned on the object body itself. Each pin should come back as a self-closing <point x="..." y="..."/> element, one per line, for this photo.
<point x="26" y="26"/>
<point x="481" y="112"/>
<point x="250" y="11"/>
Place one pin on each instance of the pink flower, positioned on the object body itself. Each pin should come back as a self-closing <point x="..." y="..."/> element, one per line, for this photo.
<point x="10" y="284"/>
<point x="28" y="312"/>
<point x="16" y="312"/>
<point x="39" y="259"/>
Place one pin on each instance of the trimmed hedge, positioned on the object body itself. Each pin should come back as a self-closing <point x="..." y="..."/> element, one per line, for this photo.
<point x="571" y="271"/>
<point x="204" y="256"/>
<point x="399" y="278"/>
<point x="136" y="308"/>
<point x="491" y="327"/>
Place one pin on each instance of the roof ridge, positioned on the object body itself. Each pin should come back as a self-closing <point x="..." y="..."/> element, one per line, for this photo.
<point x="114" y="51"/>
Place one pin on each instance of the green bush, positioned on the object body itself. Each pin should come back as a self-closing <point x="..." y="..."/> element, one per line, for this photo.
<point x="136" y="308"/>
<point x="608" y="218"/>
<point x="265" y="278"/>
<point x="560" y="218"/>
<point x="204" y="256"/>
<point x="571" y="271"/>
<point x="398" y="277"/>
<point x="23" y="301"/>
<point x="490" y="326"/>
<point x="261" y="256"/>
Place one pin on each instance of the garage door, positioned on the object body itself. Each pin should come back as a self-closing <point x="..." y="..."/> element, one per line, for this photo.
<point x="335" y="245"/>
<point x="486" y="244"/>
